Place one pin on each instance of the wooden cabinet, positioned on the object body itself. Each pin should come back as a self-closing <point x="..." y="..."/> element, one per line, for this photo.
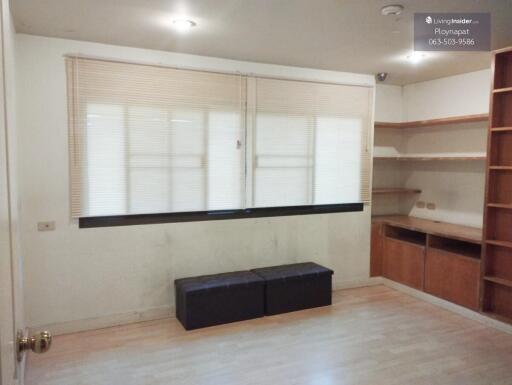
<point x="403" y="262"/>
<point x="376" y="249"/>
<point x="453" y="277"/>
<point x="439" y="258"/>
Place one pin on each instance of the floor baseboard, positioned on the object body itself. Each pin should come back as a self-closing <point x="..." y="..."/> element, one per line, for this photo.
<point x="505" y="327"/>
<point x="363" y="282"/>
<point x="59" y="328"/>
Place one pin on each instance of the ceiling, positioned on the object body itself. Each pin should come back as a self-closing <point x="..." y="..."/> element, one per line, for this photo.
<point x="342" y="35"/>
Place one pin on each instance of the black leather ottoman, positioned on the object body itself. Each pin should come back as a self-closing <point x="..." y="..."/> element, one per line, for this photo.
<point x="296" y="287"/>
<point x="217" y="299"/>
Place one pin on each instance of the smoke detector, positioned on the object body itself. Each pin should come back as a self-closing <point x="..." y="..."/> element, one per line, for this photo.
<point x="392" y="10"/>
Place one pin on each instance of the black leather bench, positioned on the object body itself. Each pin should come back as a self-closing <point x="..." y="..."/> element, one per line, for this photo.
<point x="296" y="287"/>
<point x="220" y="298"/>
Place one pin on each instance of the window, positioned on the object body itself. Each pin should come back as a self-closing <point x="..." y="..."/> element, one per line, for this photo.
<point x="309" y="143"/>
<point x="148" y="139"/>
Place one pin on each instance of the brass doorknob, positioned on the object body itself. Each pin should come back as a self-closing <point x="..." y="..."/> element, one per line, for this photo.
<point x="38" y="343"/>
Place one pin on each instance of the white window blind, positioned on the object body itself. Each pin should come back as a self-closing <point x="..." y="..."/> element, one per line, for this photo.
<point x="310" y="143"/>
<point x="148" y="139"/>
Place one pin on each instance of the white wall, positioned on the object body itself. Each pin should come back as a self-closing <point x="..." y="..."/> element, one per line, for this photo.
<point x="456" y="188"/>
<point x="387" y="142"/>
<point x="464" y="94"/>
<point x="389" y="106"/>
<point x="108" y="275"/>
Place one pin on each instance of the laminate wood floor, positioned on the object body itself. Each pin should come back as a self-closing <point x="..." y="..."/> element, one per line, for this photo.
<point x="370" y="336"/>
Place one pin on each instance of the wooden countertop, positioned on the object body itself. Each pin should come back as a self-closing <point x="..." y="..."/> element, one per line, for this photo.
<point x="442" y="229"/>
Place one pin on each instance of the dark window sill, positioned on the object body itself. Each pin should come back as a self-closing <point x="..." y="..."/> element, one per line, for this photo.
<point x="195" y="216"/>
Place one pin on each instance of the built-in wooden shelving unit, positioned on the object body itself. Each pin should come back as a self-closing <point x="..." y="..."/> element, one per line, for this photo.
<point x="496" y="272"/>
<point x="436" y="122"/>
<point x="395" y="190"/>
<point x="468" y="266"/>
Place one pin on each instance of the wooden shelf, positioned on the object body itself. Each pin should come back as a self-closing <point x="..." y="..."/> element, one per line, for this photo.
<point x="503" y="50"/>
<point x="434" y="157"/>
<point x="500" y="205"/>
<point x="500" y="90"/>
<point x="396" y="190"/>
<point x="434" y="122"/>
<point x="506" y="244"/>
<point x="501" y="129"/>
<point x="461" y="248"/>
<point x="442" y="229"/>
<point x="403" y="234"/>
<point x="388" y="125"/>
<point x="500" y="281"/>
<point x="504" y="168"/>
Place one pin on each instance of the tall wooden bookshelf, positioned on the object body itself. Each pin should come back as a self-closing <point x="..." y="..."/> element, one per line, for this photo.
<point x="496" y="269"/>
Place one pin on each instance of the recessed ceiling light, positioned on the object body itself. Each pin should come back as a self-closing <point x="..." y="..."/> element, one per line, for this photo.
<point x="392" y="10"/>
<point x="415" y="57"/>
<point x="183" y="25"/>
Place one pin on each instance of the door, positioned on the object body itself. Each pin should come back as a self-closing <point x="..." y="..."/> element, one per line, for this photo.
<point x="11" y="371"/>
<point x="453" y="277"/>
<point x="403" y="262"/>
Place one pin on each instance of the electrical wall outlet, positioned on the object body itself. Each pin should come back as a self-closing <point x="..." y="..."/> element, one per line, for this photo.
<point x="420" y="204"/>
<point x="46" y="226"/>
<point x="431" y="206"/>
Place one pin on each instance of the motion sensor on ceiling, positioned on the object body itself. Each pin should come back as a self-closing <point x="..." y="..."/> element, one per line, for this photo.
<point x="381" y="76"/>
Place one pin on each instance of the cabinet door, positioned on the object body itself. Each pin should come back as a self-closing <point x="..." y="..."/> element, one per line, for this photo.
<point x="376" y="250"/>
<point x="403" y="262"/>
<point x="452" y="277"/>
